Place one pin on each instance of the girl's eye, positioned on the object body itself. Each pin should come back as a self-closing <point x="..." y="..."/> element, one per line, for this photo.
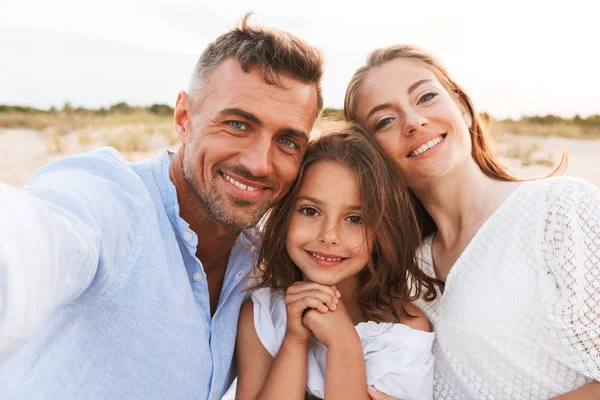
<point x="309" y="211"/>
<point x="426" y="97"/>
<point x="383" y="123"/>
<point x="238" y="125"/>
<point x="354" y="219"/>
<point x="289" y="143"/>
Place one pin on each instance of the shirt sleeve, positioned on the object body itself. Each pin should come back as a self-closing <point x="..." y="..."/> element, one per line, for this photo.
<point x="269" y="319"/>
<point x="572" y="239"/>
<point x="404" y="374"/>
<point x="54" y="234"/>
<point x="398" y="360"/>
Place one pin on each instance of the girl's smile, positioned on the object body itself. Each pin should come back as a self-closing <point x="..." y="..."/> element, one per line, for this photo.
<point x="326" y="260"/>
<point x="325" y="238"/>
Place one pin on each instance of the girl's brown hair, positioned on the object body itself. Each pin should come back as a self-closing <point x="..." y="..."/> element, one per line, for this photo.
<point x="392" y="275"/>
<point x="482" y="143"/>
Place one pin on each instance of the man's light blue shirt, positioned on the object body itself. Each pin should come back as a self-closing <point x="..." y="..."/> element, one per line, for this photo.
<point x="142" y="327"/>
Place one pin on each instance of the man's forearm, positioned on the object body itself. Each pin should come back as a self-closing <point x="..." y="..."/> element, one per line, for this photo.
<point x="35" y="277"/>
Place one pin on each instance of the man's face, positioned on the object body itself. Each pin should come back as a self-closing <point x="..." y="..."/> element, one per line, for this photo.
<point x="244" y="140"/>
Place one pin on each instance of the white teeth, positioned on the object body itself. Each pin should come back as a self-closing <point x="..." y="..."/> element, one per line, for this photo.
<point x="239" y="184"/>
<point x="324" y="258"/>
<point x="426" y="146"/>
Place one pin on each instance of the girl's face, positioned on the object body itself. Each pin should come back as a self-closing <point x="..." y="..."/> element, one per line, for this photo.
<point x="326" y="238"/>
<point x="421" y="127"/>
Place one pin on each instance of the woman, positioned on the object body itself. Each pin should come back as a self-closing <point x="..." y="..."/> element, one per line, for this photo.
<point x="519" y="316"/>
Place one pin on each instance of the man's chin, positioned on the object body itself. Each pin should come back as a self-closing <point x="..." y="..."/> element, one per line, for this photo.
<point x="241" y="218"/>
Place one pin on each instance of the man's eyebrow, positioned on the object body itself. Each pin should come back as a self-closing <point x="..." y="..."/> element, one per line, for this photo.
<point x="253" y="118"/>
<point x="244" y="114"/>
<point x="294" y="132"/>
<point x="417" y="84"/>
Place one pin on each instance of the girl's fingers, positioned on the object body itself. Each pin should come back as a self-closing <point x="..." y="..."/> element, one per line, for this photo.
<point x="301" y="286"/>
<point x="325" y="298"/>
<point x="298" y="307"/>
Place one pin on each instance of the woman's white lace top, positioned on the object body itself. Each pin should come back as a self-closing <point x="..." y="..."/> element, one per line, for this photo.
<point x="520" y="313"/>
<point x="398" y="359"/>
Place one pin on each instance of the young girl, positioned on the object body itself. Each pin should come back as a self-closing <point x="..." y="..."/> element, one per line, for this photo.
<point x="519" y="317"/>
<point x="338" y="273"/>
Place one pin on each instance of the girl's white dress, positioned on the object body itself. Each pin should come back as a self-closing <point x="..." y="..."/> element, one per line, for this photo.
<point x="398" y="359"/>
<point x="520" y="313"/>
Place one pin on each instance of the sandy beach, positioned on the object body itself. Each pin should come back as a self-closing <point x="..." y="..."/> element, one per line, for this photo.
<point x="23" y="151"/>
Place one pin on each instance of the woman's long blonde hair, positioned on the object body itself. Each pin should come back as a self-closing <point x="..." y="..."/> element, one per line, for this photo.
<point x="482" y="143"/>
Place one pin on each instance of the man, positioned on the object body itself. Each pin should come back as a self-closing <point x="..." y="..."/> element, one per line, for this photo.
<point x="124" y="281"/>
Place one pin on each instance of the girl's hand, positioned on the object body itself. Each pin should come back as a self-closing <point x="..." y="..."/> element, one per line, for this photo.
<point x="307" y="295"/>
<point x="332" y="327"/>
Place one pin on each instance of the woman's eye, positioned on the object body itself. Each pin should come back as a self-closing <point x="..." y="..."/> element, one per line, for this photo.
<point x="309" y="211"/>
<point x="383" y="123"/>
<point x="289" y="143"/>
<point x="354" y="219"/>
<point x="238" y="125"/>
<point x="426" y="97"/>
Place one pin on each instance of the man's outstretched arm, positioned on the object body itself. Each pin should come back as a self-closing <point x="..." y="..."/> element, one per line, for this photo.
<point x="47" y="258"/>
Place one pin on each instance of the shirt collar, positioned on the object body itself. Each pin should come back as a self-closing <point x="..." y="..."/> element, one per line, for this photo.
<point x="161" y="167"/>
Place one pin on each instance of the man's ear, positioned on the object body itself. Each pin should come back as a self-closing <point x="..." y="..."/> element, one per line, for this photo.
<point x="181" y="116"/>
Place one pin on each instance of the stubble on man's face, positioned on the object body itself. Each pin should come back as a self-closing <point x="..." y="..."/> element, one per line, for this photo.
<point x="242" y="214"/>
<point x="245" y="144"/>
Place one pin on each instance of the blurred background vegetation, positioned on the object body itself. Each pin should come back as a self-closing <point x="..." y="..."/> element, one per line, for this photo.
<point x="70" y="118"/>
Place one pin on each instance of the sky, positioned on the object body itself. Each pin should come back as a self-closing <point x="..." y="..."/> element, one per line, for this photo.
<point x="514" y="57"/>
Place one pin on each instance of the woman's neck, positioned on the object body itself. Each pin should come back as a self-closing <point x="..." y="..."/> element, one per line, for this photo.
<point x="460" y="201"/>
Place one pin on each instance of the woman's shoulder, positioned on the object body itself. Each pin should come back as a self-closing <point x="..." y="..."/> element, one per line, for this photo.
<point x="561" y="186"/>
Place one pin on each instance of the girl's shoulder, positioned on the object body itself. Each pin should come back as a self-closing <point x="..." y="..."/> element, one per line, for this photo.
<point x="409" y="331"/>
<point x="416" y="318"/>
<point x="269" y="316"/>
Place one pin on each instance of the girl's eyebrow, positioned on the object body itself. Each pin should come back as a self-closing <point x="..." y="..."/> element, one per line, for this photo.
<point x="353" y="207"/>
<point x="309" y="198"/>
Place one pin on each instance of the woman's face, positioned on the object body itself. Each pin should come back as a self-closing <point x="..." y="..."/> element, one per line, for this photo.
<point x="420" y="126"/>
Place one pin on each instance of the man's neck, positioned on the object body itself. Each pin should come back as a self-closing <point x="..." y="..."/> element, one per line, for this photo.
<point x="215" y="240"/>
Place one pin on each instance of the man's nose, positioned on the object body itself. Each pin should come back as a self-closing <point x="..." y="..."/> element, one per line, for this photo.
<point x="258" y="157"/>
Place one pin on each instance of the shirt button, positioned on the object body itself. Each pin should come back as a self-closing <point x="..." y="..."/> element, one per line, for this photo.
<point x="239" y="274"/>
<point x="187" y="236"/>
<point x="197" y="277"/>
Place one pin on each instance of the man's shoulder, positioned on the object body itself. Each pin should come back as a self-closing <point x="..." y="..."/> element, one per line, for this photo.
<point x="99" y="181"/>
<point x="94" y="169"/>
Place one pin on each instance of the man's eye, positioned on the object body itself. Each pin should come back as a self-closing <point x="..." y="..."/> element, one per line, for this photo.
<point x="354" y="219"/>
<point x="238" y="125"/>
<point x="289" y="143"/>
<point x="309" y="211"/>
<point x="426" y="97"/>
<point x="383" y="123"/>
